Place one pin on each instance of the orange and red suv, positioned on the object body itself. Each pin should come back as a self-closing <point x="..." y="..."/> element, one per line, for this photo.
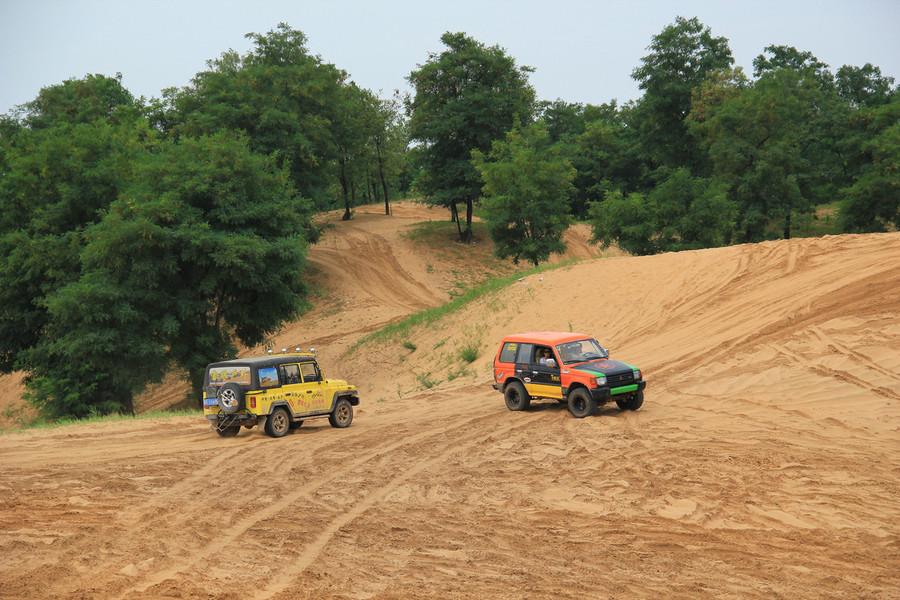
<point x="568" y="367"/>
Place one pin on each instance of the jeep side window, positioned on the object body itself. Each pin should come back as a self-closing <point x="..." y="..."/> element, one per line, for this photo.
<point x="508" y="354"/>
<point x="290" y="374"/>
<point x="526" y="351"/>
<point x="268" y="377"/>
<point x="310" y="372"/>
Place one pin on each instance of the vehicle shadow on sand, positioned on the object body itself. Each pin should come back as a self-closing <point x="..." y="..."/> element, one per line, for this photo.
<point x="607" y="410"/>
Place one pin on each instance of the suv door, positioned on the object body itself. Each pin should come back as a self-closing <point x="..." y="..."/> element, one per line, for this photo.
<point x="313" y="388"/>
<point x="545" y="380"/>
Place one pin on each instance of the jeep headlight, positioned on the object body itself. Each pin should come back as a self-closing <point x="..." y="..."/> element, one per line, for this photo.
<point x="600" y="380"/>
<point x="637" y="373"/>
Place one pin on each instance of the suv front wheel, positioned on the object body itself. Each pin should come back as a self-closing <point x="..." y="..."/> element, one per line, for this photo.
<point x="581" y="403"/>
<point x="342" y="415"/>
<point x="278" y="423"/>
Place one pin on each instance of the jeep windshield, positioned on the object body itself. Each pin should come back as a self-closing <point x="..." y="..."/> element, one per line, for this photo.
<point x="581" y="351"/>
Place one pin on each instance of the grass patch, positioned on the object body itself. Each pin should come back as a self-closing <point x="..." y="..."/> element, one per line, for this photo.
<point x="440" y="232"/>
<point x="41" y="423"/>
<point x="469" y="352"/>
<point x="409" y="346"/>
<point x="430" y="315"/>
<point x="425" y="381"/>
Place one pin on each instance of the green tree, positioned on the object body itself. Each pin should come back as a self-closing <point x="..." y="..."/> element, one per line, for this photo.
<point x="681" y="213"/>
<point x="628" y="221"/>
<point x="465" y="97"/>
<point x="864" y="86"/>
<point x="56" y="180"/>
<point x="680" y="58"/>
<point x="287" y="101"/>
<point x="764" y="143"/>
<point x="527" y="182"/>
<point x="204" y="246"/>
<point x="775" y="58"/>
<point x="78" y="101"/>
<point x="873" y="200"/>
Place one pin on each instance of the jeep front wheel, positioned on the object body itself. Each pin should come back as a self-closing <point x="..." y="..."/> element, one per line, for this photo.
<point x="581" y="403"/>
<point x="342" y="415"/>
<point x="516" y="397"/>
<point x="632" y="402"/>
<point x="278" y="423"/>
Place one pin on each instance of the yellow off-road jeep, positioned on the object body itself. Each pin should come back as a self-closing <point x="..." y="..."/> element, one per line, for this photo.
<point x="283" y="390"/>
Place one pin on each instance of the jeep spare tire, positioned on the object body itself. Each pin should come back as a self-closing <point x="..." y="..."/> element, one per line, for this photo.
<point x="231" y="398"/>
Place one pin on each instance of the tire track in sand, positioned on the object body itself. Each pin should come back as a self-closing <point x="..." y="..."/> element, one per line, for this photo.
<point x="228" y="536"/>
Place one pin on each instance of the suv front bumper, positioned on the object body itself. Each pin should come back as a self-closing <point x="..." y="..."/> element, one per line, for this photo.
<point x="602" y="394"/>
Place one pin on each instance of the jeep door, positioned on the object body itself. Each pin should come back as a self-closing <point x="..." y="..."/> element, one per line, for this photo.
<point x="292" y="386"/>
<point x="313" y="388"/>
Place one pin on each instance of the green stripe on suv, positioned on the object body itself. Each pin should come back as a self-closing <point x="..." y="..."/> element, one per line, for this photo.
<point x="624" y="389"/>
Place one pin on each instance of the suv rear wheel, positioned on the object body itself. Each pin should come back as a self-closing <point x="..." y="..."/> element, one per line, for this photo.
<point x="278" y="423"/>
<point x="581" y="403"/>
<point x="516" y="397"/>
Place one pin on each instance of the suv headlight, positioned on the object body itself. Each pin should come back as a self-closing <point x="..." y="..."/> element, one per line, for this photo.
<point x="637" y="373"/>
<point x="600" y="381"/>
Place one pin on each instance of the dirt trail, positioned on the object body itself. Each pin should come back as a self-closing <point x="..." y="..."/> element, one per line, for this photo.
<point x="765" y="462"/>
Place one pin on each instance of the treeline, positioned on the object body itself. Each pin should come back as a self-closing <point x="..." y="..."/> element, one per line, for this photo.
<point x="707" y="156"/>
<point x="138" y="236"/>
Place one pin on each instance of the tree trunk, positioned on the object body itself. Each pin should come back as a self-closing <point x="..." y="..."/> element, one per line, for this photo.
<point x="454" y="217"/>
<point x="384" y="187"/>
<point x="469" y="208"/>
<point x="345" y="190"/>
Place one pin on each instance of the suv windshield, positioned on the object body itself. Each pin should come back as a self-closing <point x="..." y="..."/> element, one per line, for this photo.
<point x="581" y="351"/>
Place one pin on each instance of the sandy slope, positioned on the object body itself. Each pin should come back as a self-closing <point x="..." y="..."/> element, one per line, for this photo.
<point x="765" y="463"/>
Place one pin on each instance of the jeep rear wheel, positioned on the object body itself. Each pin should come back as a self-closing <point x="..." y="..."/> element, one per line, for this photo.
<point x="631" y="402"/>
<point x="581" y="403"/>
<point x="230" y="431"/>
<point x="278" y="423"/>
<point x="516" y="397"/>
<point x="342" y="415"/>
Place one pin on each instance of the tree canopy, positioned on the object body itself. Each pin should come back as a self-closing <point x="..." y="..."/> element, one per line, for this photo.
<point x="466" y="97"/>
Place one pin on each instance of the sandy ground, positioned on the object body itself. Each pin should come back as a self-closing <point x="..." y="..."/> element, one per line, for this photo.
<point x="765" y="462"/>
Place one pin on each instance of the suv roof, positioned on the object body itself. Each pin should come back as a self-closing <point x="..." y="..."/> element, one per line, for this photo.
<point x="546" y="337"/>
<point x="267" y="360"/>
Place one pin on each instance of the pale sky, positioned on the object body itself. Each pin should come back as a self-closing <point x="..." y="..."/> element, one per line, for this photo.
<point x="582" y="51"/>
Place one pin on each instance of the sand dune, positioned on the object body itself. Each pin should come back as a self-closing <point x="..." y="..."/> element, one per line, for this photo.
<point x="765" y="462"/>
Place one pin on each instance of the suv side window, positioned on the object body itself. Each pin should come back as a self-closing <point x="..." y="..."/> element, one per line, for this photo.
<point x="290" y="374"/>
<point x="310" y="372"/>
<point x="508" y="354"/>
<point x="526" y="352"/>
